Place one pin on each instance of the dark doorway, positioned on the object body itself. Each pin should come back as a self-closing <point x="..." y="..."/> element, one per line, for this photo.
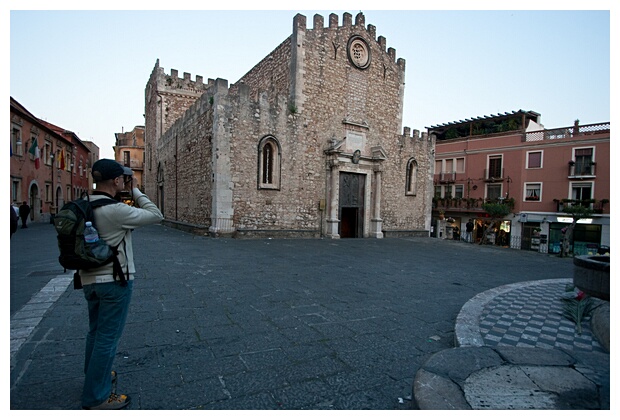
<point x="351" y="205"/>
<point x="530" y="237"/>
<point x="348" y="222"/>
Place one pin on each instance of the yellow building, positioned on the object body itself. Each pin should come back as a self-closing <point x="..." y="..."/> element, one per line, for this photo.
<point x="129" y="151"/>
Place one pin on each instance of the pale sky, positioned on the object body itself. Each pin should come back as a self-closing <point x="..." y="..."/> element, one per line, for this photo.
<point x="86" y="71"/>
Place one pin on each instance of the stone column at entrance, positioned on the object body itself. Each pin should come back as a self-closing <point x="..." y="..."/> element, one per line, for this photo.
<point x="332" y="221"/>
<point x="376" y="224"/>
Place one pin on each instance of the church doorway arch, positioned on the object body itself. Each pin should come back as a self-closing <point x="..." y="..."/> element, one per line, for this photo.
<point x="351" y="204"/>
<point x="34" y="202"/>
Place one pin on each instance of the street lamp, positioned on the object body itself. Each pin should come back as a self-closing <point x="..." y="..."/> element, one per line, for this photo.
<point x="508" y="181"/>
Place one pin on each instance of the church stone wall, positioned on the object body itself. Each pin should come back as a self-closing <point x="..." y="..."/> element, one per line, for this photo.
<point x="184" y="165"/>
<point x="309" y="97"/>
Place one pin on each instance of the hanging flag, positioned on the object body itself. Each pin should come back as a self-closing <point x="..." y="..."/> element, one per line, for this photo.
<point x="62" y="160"/>
<point x="37" y="158"/>
<point x="34" y="150"/>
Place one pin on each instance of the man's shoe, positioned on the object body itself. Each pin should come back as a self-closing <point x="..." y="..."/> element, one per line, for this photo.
<point x="115" y="402"/>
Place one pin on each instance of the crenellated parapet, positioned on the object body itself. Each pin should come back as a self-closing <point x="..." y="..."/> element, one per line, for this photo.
<point x="347" y="23"/>
<point x="172" y="83"/>
<point x="415" y="135"/>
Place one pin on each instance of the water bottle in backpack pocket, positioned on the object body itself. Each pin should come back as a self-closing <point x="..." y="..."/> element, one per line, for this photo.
<point x="90" y="233"/>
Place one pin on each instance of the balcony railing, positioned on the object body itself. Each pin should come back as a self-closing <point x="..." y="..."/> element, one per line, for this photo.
<point x="493" y="175"/>
<point x="468" y="204"/>
<point x="567" y="132"/>
<point x="132" y="163"/>
<point x="576" y="170"/>
<point x="445" y="177"/>
<point x="597" y="206"/>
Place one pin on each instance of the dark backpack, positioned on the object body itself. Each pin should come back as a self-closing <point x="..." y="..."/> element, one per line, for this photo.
<point x="75" y="253"/>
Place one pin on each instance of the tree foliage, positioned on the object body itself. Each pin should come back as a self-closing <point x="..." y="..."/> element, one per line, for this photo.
<point x="496" y="211"/>
<point x="577" y="213"/>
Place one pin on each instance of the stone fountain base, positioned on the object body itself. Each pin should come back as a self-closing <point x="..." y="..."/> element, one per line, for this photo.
<point x="599" y="322"/>
<point x="591" y="274"/>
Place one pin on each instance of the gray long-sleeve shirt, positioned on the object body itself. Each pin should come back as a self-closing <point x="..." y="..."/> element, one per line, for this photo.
<point x="115" y="223"/>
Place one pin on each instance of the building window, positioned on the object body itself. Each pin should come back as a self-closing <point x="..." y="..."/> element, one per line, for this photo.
<point x="48" y="193"/>
<point x="16" y="142"/>
<point x="534" y="160"/>
<point x="581" y="190"/>
<point x="269" y="164"/>
<point x="533" y="191"/>
<point x="583" y="161"/>
<point x="458" y="191"/>
<point x="47" y="158"/>
<point x="438" y="166"/>
<point x="494" y="191"/>
<point x="126" y="159"/>
<point x="16" y="189"/>
<point x="449" y="191"/>
<point x="412" y="177"/>
<point x="438" y="191"/>
<point x="446" y="169"/>
<point x="494" y="169"/>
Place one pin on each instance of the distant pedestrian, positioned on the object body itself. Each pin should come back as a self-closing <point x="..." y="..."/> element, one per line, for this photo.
<point x="456" y="233"/>
<point x="24" y="213"/>
<point x="107" y="295"/>
<point x="13" y="220"/>
<point x="469" y="229"/>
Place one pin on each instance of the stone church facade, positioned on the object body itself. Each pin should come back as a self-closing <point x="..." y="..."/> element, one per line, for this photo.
<point x="308" y="143"/>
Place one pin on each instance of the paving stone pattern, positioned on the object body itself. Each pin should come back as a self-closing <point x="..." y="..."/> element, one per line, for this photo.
<point x="271" y="324"/>
<point x="527" y="317"/>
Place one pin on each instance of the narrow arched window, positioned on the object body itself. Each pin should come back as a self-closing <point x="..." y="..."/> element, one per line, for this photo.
<point x="269" y="163"/>
<point x="412" y="177"/>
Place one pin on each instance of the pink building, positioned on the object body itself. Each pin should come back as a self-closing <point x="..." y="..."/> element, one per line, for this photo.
<point x="49" y="165"/>
<point x="512" y="158"/>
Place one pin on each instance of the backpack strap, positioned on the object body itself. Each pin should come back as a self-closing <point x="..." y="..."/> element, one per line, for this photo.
<point x="117" y="269"/>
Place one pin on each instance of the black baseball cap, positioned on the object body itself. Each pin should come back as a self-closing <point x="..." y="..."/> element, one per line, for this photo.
<point x="105" y="169"/>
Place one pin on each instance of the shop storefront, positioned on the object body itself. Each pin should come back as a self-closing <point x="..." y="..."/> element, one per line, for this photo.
<point x="586" y="238"/>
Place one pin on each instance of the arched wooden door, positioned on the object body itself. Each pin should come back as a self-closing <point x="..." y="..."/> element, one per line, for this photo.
<point x="351" y="205"/>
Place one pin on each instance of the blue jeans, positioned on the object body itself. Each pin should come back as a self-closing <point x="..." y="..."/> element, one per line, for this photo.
<point x="108" y="304"/>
